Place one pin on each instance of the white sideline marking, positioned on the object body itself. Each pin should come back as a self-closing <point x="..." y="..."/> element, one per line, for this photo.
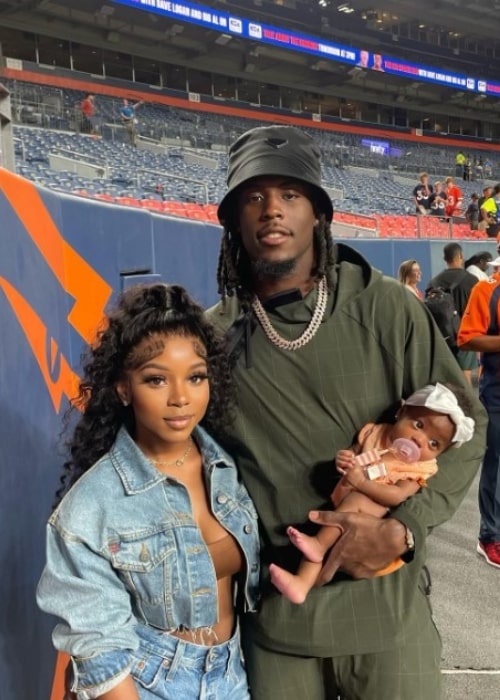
<point x="472" y="671"/>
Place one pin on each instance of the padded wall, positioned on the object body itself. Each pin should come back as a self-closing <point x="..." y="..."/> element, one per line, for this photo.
<point x="61" y="260"/>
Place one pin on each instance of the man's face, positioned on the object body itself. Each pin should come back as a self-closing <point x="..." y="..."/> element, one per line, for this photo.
<point x="276" y="220"/>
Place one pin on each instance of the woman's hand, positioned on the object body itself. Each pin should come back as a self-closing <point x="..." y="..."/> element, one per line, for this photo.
<point x="367" y="543"/>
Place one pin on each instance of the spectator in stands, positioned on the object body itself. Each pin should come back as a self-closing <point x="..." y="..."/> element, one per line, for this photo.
<point x="472" y="212"/>
<point x="478" y="168"/>
<point x="480" y="332"/>
<point x="478" y="264"/>
<point x="460" y="283"/>
<point x="320" y="343"/>
<point x="422" y="194"/>
<point x="467" y="169"/>
<point x="410" y="274"/>
<point x="87" y="114"/>
<point x="129" y="120"/>
<point x="459" y="164"/>
<point x="155" y="533"/>
<point x="437" y="201"/>
<point x="488" y="167"/>
<point x="454" y="198"/>
<point x="490" y="210"/>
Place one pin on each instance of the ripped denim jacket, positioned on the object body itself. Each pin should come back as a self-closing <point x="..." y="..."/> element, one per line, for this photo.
<point x="123" y="548"/>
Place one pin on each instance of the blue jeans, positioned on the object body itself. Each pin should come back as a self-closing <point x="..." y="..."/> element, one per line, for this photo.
<point x="489" y="483"/>
<point x="173" y="669"/>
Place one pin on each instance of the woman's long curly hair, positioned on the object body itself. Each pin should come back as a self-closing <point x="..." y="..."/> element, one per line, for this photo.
<point x="142" y="311"/>
<point x="234" y="273"/>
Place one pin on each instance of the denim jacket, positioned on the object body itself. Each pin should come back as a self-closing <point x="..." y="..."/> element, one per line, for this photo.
<point x="123" y="548"/>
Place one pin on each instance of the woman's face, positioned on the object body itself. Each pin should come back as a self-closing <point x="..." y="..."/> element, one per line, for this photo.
<point x="415" y="274"/>
<point x="168" y="389"/>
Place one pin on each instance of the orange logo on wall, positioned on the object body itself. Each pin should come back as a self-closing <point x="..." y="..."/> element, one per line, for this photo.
<point x="80" y="281"/>
<point x="75" y="276"/>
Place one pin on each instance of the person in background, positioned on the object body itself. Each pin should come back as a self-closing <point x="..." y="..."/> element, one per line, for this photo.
<point x="480" y="332"/>
<point x="460" y="282"/>
<point x="483" y="215"/>
<point x="155" y="538"/>
<point x="478" y="264"/>
<point x="87" y="111"/>
<point x="437" y="201"/>
<point x="495" y="266"/>
<point x="459" y="164"/>
<point x="410" y="274"/>
<point x="320" y="344"/>
<point x="129" y="120"/>
<point x="422" y="194"/>
<point x="472" y="212"/>
<point x="454" y="198"/>
<point x="467" y="169"/>
<point x="490" y="211"/>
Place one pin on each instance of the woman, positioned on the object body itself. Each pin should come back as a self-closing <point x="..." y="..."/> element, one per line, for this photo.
<point x="146" y="548"/>
<point x="409" y="274"/>
<point x="478" y="264"/>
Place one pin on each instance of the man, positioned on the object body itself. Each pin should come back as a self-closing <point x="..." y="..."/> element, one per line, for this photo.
<point x="437" y="201"/>
<point x="472" y="212"/>
<point x="483" y="215"/>
<point x="323" y="343"/>
<point x="490" y="211"/>
<point x="127" y="114"/>
<point x="87" y="111"/>
<point x="422" y="194"/>
<point x="480" y="331"/>
<point x="459" y="164"/>
<point x="460" y="283"/>
<point x="454" y="198"/>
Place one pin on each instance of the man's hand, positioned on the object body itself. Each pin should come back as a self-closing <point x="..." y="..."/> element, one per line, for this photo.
<point x="367" y="543"/>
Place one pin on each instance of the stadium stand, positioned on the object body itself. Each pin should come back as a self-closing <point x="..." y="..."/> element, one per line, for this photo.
<point x="181" y="157"/>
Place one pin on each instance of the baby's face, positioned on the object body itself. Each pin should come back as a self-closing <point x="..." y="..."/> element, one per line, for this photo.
<point x="431" y="431"/>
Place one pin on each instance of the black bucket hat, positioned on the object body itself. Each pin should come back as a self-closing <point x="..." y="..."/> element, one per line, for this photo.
<point x="275" y="150"/>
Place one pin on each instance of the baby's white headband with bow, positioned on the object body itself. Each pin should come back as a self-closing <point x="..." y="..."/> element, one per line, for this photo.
<point x="439" y="398"/>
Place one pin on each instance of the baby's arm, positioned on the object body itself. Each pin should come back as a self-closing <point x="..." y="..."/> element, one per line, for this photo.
<point x="388" y="495"/>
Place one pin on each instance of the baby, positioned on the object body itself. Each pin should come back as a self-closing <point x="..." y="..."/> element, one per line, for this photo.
<point x="388" y="464"/>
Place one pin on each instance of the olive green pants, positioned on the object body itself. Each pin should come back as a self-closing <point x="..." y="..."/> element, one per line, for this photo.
<point x="410" y="672"/>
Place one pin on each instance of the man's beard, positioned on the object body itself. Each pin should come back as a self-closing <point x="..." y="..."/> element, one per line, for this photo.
<point x="273" y="269"/>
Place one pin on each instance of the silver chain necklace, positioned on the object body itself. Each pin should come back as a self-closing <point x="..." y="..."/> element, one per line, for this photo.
<point x="310" y="331"/>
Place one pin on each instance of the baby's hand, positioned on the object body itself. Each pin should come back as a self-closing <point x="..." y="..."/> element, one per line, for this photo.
<point x="356" y="476"/>
<point x="344" y="460"/>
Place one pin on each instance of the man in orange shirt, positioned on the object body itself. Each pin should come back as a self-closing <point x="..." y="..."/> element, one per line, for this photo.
<point x="480" y="331"/>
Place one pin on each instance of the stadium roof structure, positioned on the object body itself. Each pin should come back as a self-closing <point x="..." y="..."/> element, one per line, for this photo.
<point x="455" y="35"/>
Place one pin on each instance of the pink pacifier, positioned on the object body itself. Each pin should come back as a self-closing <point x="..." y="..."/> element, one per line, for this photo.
<point x="406" y="449"/>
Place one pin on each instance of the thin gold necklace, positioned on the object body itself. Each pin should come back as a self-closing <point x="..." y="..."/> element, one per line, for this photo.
<point x="177" y="462"/>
